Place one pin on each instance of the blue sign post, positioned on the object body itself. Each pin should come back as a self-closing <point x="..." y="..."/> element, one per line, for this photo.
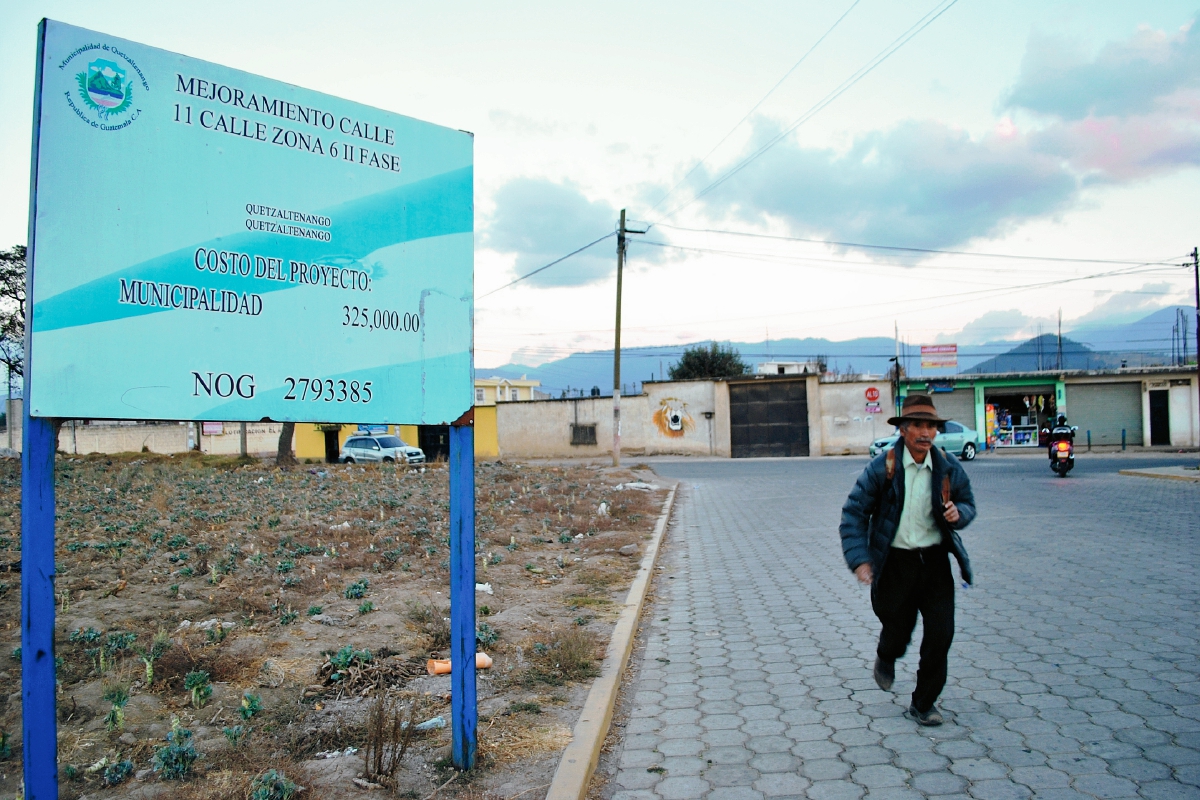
<point x="207" y="244"/>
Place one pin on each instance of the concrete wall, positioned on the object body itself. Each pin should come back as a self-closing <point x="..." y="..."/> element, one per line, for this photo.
<point x="844" y="425"/>
<point x="686" y="418"/>
<point x="676" y="418"/>
<point x="542" y="428"/>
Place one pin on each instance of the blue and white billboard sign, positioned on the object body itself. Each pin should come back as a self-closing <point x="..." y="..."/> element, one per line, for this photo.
<point x="211" y="244"/>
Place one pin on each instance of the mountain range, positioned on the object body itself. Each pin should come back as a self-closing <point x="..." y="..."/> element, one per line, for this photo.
<point x="1144" y="342"/>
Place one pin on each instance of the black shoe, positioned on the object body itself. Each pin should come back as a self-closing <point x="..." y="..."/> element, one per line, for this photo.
<point x="885" y="673"/>
<point x="930" y="718"/>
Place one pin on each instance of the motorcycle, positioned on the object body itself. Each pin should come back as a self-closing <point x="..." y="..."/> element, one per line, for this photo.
<point x="1062" y="450"/>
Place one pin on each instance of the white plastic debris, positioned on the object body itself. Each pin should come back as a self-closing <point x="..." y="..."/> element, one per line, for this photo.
<point x="484" y="587"/>
<point x="639" y="485"/>
<point x="434" y="724"/>
<point x="344" y="526"/>
<point x="602" y="511"/>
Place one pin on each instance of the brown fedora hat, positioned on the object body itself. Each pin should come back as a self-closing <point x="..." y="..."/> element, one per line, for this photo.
<point x="917" y="407"/>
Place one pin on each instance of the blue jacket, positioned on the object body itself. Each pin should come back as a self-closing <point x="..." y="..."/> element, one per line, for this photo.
<point x="871" y="514"/>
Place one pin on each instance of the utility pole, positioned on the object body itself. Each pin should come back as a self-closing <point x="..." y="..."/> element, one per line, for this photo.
<point x="616" y="447"/>
<point x="1060" y="361"/>
<point x="1196" y="271"/>
<point x="621" y="242"/>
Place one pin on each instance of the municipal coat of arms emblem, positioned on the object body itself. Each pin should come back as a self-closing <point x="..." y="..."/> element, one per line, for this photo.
<point x="104" y="88"/>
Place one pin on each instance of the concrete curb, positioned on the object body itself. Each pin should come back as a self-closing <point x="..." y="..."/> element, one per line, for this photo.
<point x="579" y="760"/>
<point x="1164" y="473"/>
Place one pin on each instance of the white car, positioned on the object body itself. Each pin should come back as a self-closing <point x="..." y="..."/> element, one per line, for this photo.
<point x="380" y="448"/>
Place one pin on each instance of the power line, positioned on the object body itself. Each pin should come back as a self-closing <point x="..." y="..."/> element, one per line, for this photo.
<point x="862" y="72"/>
<point x="548" y="266"/>
<point x="740" y="122"/>
<point x="924" y="250"/>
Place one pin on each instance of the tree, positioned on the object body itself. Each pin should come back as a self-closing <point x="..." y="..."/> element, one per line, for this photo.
<point x="715" y="361"/>
<point x="283" y="456"/>
<point x="12" y="309"/>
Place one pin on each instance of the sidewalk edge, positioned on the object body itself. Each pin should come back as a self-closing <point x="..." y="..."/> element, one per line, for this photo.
<point x="574" y="773"/>
<point x="1160" y="475"/>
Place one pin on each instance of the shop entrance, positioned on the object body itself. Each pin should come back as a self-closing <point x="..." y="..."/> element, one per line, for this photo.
<point x="1160" y="416"/>
<point x="1017" y="414"/>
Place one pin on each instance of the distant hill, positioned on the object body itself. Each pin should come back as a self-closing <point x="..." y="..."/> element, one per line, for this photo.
<point x="1041" y="352"/>
<point x="1144" y="342"/>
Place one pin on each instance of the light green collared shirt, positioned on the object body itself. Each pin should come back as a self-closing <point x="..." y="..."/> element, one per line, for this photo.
<point x="917" y="528"/>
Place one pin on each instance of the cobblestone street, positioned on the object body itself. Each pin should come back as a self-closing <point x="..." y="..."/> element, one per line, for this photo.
<point x="1075" y="670"/>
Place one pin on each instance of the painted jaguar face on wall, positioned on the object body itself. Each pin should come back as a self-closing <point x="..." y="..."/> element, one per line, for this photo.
<point x="672" y="418"/>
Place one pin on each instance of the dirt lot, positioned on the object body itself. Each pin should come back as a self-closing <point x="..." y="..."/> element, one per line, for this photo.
<point x="221" y="619"/>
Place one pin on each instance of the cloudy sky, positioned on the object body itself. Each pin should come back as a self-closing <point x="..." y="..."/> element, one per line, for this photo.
<point x="1068" y="130"/>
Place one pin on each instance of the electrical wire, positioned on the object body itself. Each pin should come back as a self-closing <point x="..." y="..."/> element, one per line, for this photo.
<point x="547" y="266"/>
<point x="922" y="250"/>
<point x="757" y="105"/>
<point x="862" y="72"/>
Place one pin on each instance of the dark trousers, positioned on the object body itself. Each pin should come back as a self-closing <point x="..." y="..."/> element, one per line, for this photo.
<point x="912" y="581"/>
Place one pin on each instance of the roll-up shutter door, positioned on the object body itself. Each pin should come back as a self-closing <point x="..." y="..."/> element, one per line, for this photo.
<point x="1106" y="409"/>
<point x="958" y="405"/>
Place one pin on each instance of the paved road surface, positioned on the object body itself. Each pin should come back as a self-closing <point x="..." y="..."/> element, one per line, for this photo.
<point x="1074" y="672"/>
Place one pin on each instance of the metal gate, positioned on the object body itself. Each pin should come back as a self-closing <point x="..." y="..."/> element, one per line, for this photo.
<point x="768" y="418"/>
<point x="1106" y="409"/>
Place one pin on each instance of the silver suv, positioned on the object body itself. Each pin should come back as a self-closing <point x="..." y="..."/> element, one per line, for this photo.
<point x="382" y="448"/>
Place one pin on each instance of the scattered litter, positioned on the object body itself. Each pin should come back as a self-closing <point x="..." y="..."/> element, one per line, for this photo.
<point x="602" y="511"/>
<point x="437" y="723"/>
<point x="441" y="666"/>
<point x="484" y="587"/>
<point x="204" y="626"/>
<point x="261" y="479"/>
<point x="349" y="751"/>
<point x="344" y="526"/>
<point x="365" y="784"/>
<point x="579" y="536"/>
<point x="320" y="473"/>
<point x="639" y="485"/>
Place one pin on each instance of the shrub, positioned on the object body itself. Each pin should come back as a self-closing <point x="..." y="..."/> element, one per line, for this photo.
<point x="314" y="610"/>
<point x="272" y="785"/>
<point x="357" y="590"/>
<point x="366" y="608"/>
<point x="118" y="695"/>
<point x="344" y="658"/>
<point x="197" y="683"/>
<point x="251" y="705"/>
<point x="234" y="735"/>
<point x="118" y="772"/>
<point x="486" y="635"/>
<point x="174" y="761"/>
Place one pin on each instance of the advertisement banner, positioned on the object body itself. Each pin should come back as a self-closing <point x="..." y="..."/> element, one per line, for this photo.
<point x="939" y="356"/>
<point x="214" y="245"/>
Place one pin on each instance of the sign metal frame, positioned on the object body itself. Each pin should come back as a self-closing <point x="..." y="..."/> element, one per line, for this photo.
<point x="38" y="684"/>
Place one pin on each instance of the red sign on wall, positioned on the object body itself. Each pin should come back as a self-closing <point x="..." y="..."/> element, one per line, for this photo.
<point x="872" y="394"/>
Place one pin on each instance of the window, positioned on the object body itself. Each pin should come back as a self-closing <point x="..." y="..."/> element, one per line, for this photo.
<point x="353" y="443"/>
<point x="516" y="393"/>
<point x="372" y="444"/>
<point x="583" y="434"/>
<point x="479" y="395"/>
<point x="953" y="427"/>
<point x="390" y="441"/>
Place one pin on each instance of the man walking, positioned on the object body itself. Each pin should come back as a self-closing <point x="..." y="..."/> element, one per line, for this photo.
<point x="898" y="525"/>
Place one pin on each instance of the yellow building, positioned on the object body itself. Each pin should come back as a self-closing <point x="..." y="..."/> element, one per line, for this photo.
<point x="489" y="391"/>
<point x="311" y="440"/>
